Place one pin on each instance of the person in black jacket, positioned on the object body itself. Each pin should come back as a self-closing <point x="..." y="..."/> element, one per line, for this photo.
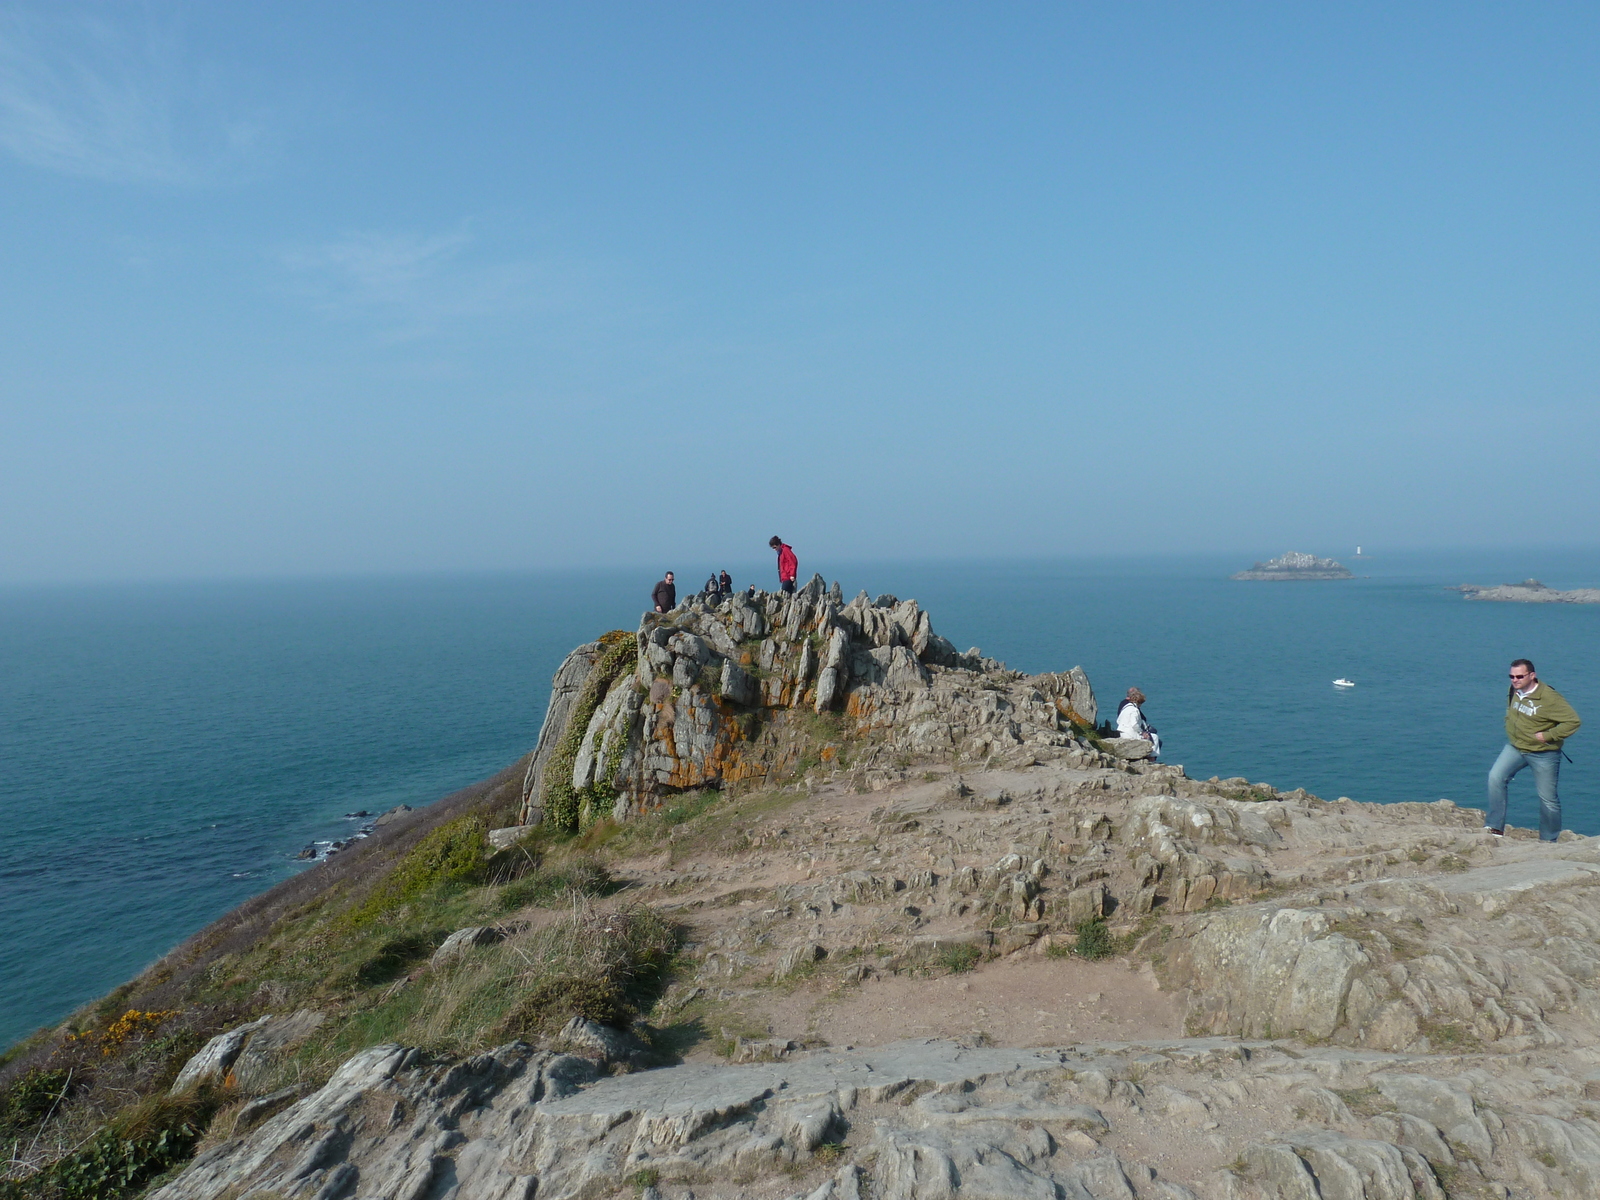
<point x="665" y="595"/>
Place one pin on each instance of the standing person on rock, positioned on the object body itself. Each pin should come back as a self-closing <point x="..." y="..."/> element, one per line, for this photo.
<point x="788" y="564"/>
<point x="725" y="584"/>
<point x="1538" y="720"/>
<point x="1131" y="722"/>
<point x="665" y="595"/>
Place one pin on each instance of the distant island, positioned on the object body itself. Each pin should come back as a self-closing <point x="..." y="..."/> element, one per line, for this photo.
<point x="1296" y="566"/>
<point x="1529" y="591"/>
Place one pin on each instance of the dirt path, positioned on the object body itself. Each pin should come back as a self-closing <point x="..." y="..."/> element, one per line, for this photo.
<point x="1025" y="1001"/>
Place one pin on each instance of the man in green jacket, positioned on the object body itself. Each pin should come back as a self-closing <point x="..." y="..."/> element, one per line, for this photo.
<point x="1538" y="720"/>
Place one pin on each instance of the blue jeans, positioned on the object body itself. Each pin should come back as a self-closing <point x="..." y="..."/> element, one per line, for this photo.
<point x="1546" y="766"/>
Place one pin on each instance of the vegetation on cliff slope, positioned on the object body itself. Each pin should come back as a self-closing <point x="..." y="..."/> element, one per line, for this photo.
<point x="564" y="805"/>
<point x="84" y="1110"/>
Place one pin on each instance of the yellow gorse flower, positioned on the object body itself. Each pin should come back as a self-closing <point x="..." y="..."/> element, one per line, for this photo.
<point x="129" y="1024"/>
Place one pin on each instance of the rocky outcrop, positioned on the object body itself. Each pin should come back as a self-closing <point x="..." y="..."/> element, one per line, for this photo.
<point x="1530" y="591"/>
<point x="244" y="1056"/>
<point x="1361" y="1001"/>
<point x="565" y="689"/>
<point x="1185" y="1119"/>
<point x="1295" y="566"/>
<point x="726" y="692"/>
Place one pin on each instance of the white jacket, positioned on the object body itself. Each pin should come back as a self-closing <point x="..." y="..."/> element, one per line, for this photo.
<point x="1131" y="722"/>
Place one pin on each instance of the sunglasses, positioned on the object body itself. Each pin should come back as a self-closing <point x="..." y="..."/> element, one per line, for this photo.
<point x="1524" y="675"/>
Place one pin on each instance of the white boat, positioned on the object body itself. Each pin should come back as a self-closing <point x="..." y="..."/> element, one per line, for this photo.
<point x="1344" y="683"/>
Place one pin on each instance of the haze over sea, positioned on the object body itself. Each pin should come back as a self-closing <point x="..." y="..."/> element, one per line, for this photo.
<point x="167" y="749"/>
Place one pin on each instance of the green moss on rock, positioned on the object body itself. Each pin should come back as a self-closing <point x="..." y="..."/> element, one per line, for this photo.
<point x="564" y="807"/>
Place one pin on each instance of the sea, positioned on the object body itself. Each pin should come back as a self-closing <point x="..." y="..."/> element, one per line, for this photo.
<point x="166" y="751"/>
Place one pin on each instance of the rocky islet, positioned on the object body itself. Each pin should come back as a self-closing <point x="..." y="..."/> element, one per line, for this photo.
<point x="1529" y="591"/>
<point x="1295" y="565"/>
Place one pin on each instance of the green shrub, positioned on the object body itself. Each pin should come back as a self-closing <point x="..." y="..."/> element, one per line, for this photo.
<point x="29" y="1100"/>
<point x="548" y="885"/>
<point x="1094" y="940"/>
<point x="136" y="1145"/>
<point x="562" y="803"/>
<point x="455" y="854"/>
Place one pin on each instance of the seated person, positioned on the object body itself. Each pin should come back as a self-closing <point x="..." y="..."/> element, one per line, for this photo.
<point x="1131" y="722"/>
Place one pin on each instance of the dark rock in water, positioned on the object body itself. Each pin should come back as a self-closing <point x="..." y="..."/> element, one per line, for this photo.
<point x="1296" y="566"/>
<point x="308" y="853"/>
<point x="359" y="813"/>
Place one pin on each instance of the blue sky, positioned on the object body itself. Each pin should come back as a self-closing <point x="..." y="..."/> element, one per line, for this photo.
<point x="311" y="289"/>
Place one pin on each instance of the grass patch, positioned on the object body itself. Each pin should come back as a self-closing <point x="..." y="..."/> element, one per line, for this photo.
<point x="1256" y="793"/>
<point x="455" y="855"/>
<point x="550" y="884"/>
<point x="958" y="959"/>
<point x="1094" y="940"/>
<point x="1450" y="1037"/>
<point x="1365" y="1102"/>
<point x="606" y="967"/>
<point x="396" y="956"/>
<point x="687" y="807"/>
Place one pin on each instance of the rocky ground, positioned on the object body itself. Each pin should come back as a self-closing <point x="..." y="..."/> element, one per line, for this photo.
<point x="1300" y="999"/>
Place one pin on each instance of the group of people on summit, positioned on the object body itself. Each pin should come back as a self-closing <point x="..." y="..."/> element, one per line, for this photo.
<point x="665" y="594"/>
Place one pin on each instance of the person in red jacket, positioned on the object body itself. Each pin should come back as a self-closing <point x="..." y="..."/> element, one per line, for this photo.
<point x="788" y="564"/>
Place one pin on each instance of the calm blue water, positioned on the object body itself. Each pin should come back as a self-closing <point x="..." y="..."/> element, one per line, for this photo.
<point x="164" y="751"/>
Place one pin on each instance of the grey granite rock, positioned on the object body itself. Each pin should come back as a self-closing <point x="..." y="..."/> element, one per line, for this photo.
<point x="565" y="688"/>
<point x="211" y="1064"/>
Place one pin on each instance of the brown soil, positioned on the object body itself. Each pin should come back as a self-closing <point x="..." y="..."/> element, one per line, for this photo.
<point x="1026" y="1000"/>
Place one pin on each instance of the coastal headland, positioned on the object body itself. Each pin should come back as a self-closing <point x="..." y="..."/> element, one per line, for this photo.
<point x="1294" y="565"/>
<point x="1529" y="591"/>
<point x="794" y="900"/>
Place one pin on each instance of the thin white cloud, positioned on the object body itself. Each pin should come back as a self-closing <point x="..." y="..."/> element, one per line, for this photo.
<point x="409" y="284"/>
<point x="93" y="97"/>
